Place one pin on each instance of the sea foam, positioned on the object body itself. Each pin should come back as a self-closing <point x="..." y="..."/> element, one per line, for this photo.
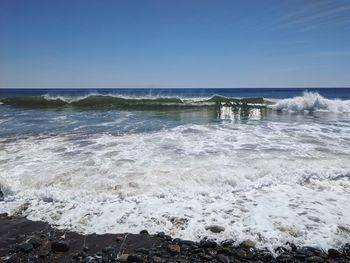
<point x="274" y="182"/>
<point x="312" y="101"/>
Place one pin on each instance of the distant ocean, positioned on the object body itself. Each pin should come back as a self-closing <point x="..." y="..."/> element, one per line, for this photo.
<point x="270" y="165"/>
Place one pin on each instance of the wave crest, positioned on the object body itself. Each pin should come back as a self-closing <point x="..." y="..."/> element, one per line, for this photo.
<point x="312" y="101"/>
<point x="94" y="101"/>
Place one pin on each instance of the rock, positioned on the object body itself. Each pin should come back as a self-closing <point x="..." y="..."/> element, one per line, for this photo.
<point x="241" y="253"/>
<point x="208" y="244"/>
<point x="346" y="249"/>
<point x="215" y="228"/>
<point x="281" y="250"/>
<point x="142" y="251"/>
<point x="43" y="253"/>
<point x="222" y="258"/>
<point x="25" y="247"/>
<point x="123" y="257"/>
<point x="144" y="232"/>
<point x="333" y="253"/>
<point x="1" y="195"/>
<point x="227" y="243"/>
<point x="314" y="259"/>
<point x="197" y="251"/>
<point x="35" y="241"/>
<point x="205" y="257"/>
<point x="311" y="251"/>
<point x="157" y="259"/>
<point x="248" y="244"/>
<point x="186" y="242"/>
<point x="174" y="249"/>
<point x="134" y="258"/>
<point x="168" y="238"/>
<point x="3" y="215"/>
<point x="161" y="234"/>
<point x="59" y="246"/>
<point x="119" y="238"/>
<point x="285" y="258"/>
<point x="293" y="247"/>
<point x="300" y="256"/>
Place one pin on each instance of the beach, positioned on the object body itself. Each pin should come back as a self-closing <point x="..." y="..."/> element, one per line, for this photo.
<point x="28" y="241"/>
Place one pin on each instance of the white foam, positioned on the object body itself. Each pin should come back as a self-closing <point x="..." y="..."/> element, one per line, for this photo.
<point x="273" y="182"/>
<point x="312" y="101"/>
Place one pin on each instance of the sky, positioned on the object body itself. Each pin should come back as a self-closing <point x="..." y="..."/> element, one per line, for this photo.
<point x="174" y="43"/>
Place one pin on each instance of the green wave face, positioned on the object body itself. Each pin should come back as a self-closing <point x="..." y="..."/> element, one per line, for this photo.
<point x="93" y="102"/>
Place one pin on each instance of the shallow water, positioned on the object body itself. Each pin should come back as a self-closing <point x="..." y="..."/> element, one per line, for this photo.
<point x="272" y="174"/>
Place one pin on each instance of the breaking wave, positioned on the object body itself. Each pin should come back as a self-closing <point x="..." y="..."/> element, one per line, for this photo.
<point x="312" y="101"/>
<point x="308" y="102"/>
<point x="129" y="103"/>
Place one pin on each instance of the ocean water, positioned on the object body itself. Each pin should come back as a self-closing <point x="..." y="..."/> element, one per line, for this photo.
<point x="270" y="165"/>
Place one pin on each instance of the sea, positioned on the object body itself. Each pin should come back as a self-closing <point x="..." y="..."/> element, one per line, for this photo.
<point x="271" y="165"/>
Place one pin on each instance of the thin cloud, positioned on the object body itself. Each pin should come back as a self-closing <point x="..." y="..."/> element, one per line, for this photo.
<point x="333" y="53"/>
<point x="316" y="15"/>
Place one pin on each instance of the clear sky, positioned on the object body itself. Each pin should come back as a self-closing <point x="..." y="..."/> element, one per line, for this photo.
<point x="174" y="43"/>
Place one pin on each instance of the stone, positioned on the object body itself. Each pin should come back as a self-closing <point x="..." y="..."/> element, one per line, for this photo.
<point x="186" y="242"/>
<point x="248" y="244"/>
<point x="134" y="258"/>
<point x="43" y="253"/>
<point x="205" y="256"/>
<point x="240" y="253"/>
<point x="142" y="251"/>
<point x="161" y="234"/>
<point x="208" y="244"/>
<point x="314" y="259"/>
<point x="222" y="258"/>
<point x="1" y="195"/>
<point x="59" y="246"/>
<point x="311" y="251"/>
<point x="157" y="259"/>
<point x="215" y="228"/>
<point x="285" y="258"/>
<point x="144" y="232"/>
<point x="119" y="239"/>
<point x="333" y="253"/>
<point x="3" y="215"/>
<point x="227" y="243"/>
<point x="25" y="247"/>
<point x="174" y="249"/>
<point x="123" y="257"/>
<point x="35" y="241"/>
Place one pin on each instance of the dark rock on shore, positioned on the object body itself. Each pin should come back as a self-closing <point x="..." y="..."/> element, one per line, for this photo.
<point x="59" y="246"/>
<point x="26" y="241"/>
<point x="215" y="228"/>
<point x="1" y="195"/>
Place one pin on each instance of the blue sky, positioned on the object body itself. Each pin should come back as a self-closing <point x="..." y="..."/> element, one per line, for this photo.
<point x="174" y="43"/>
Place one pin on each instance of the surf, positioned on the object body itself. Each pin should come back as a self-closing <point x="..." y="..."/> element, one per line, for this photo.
<point x="96" y="101"/>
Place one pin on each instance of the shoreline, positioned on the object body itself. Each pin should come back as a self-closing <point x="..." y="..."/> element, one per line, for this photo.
<point x="23" y="240"/>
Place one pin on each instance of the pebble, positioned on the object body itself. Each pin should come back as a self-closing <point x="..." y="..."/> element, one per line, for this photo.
<point x="43" y="253"/>
<point x="134" y="258"/>
<point x="314" y="259"/>
<point x="248" y="244"/>
<point x="59" y="246"/>
<point x="333" y="253"/>
<point x="123" y="257"/>
<point x="222" y="258"/>
<point x="144" y="232"/>
<point x="25" y="247"/>
<point x="215" y="228"/>
<point x="174" y="249"/>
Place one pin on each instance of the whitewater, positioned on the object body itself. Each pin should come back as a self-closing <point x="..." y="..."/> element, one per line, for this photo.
<point x="273" y="171"/>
